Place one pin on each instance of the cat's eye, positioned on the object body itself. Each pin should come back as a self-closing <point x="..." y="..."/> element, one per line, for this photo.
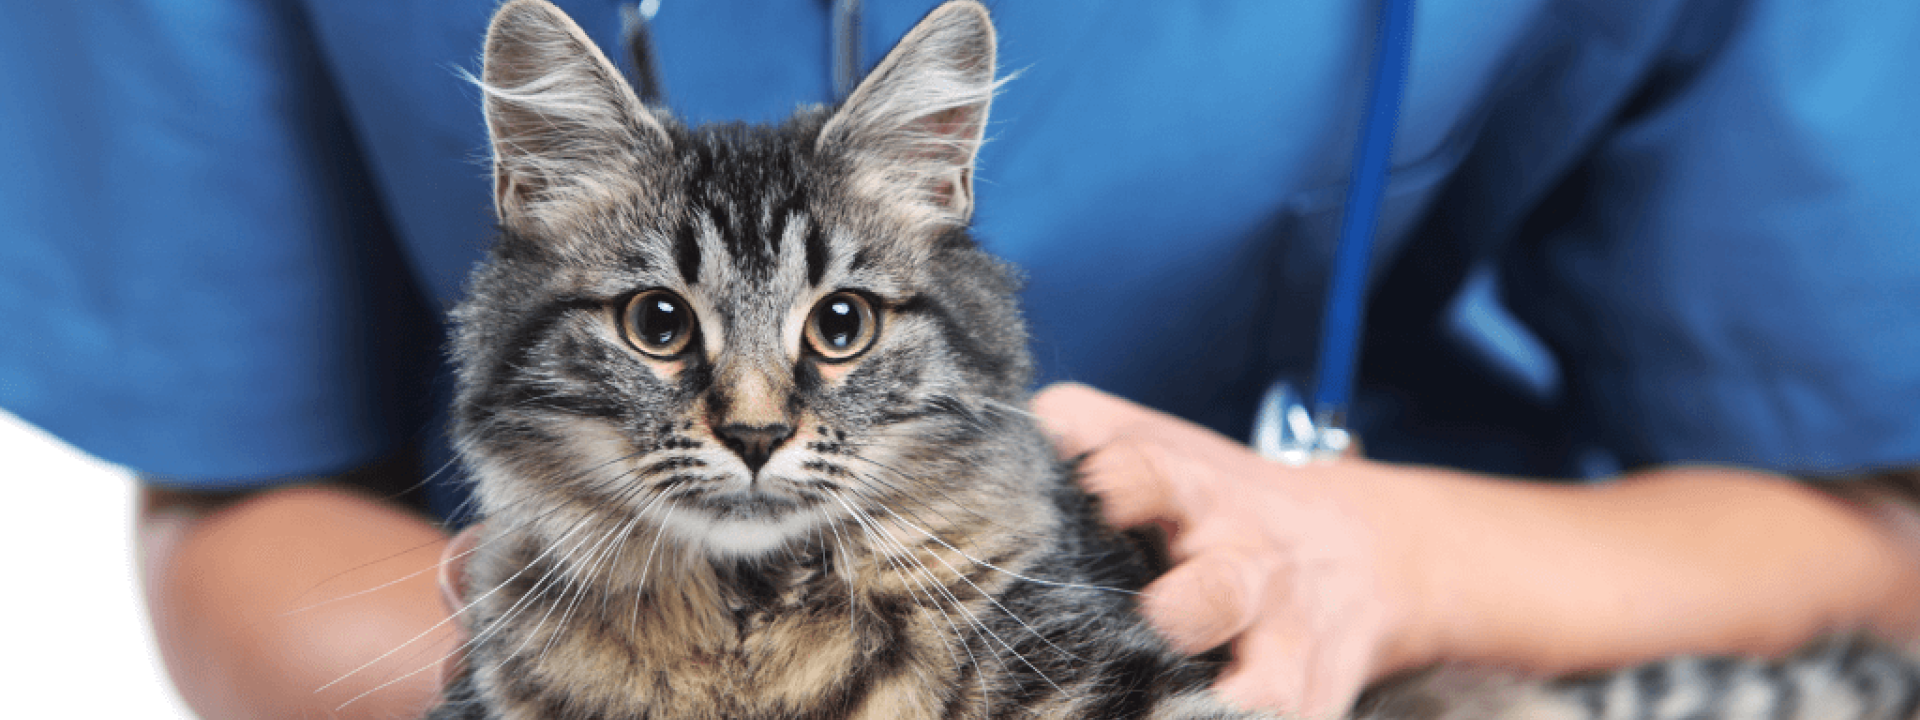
<point x="841" y="326"/>
<point x="658" y="323"/>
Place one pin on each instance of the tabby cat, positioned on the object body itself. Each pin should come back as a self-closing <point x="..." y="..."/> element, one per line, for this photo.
<point x="743" y="406"/>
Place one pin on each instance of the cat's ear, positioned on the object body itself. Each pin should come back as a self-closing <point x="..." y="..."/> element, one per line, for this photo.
<point x="914" y="125"/>
<point x="564" y="124"/>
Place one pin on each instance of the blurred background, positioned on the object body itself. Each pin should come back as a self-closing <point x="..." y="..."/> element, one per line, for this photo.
<point x="76" y="638"/>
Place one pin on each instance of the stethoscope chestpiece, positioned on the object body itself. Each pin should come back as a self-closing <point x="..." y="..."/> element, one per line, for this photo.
<point x="1285" y="430"/>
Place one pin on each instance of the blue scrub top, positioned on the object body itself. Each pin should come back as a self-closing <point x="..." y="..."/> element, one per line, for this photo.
<point x="1615" y="233"/>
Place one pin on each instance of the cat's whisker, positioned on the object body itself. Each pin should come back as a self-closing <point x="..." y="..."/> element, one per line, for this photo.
<point x="975" y="624"/>
<point x="619" y="536"/>
<point x="909" y="553"/>
<point x="570" y="584"/>
<point x="985" y="564"/>
<point x="542" y="590"/>
<point x="547" y="579"/>
<point x="1009" y="408"/>
<point x="442" y="562"/>
<point x="621" y="498"/>
<point x="582" y="474"/>
<point x="510" y="612"/>
<point x="595" y="486"/>
<point x="625" y="533"/>
<point x="969" y="581"/>
<point x="898" y="493"/>
<point x="409" y="576"/>
<point x="959" y="637"/>
<point x="371" y="590"/>
<point x="936" y="489"/>
<point x="594" y="562"/>
<point x="424" y="633"/>
<point x="905" y="574"/>
<point x="451" y="462"/>
<point x="887" y="537"/>
<point x="397" y="680"/>
<point x="844" y="568"/>
<point x="970" y="558"/>
<point x="647" y="566"/>
<point x="541" y="584"/>
<point x="583" y="522"/>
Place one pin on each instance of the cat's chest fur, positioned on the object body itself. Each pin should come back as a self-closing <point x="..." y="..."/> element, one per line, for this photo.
<point x="816" y="635"/>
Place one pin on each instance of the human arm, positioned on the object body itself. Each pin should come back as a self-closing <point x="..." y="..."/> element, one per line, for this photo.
<point x="230" y="578"/>
<point x="1329" y="576"/>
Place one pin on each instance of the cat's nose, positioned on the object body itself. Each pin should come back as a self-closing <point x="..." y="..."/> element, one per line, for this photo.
<point x="754" y="443"/>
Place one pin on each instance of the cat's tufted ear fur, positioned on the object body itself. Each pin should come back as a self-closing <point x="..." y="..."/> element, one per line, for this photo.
<point x="913" y="127"/>
<point x="566" y="128"/>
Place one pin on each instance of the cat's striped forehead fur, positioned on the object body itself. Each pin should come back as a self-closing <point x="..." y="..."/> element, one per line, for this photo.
<point x="602" y="200"/>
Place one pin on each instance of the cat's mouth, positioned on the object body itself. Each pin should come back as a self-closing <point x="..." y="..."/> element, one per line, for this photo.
<point x="743" y="521"/>
<point x="764" y="497"/>
<point x="753" y="504"/>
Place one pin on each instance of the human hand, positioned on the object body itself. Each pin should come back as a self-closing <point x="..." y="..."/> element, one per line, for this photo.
<point x="1292" y="566"/>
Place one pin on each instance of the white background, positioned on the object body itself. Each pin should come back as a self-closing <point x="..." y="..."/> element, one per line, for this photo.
<point x="73" y="637"/>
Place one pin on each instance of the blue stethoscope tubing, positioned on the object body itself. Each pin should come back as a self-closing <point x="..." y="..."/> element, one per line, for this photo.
<point x="1347" y="291"/>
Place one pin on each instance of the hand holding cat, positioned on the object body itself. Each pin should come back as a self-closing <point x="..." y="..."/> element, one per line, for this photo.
<point x="1281" y="562"/>
<point x="1327" y="576"/>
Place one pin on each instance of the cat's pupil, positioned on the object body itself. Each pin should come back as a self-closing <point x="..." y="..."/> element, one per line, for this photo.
<point x="661" y="321"/>
<point x="839" y="324"/>
<point x="658" y="323"/>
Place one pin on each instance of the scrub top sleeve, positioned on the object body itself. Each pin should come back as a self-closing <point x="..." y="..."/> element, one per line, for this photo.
<point x="1730" y="275"/>
<point x="197" y="281"/>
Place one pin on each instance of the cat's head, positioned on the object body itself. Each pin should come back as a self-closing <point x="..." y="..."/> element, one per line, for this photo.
<point x="739" y="334"/>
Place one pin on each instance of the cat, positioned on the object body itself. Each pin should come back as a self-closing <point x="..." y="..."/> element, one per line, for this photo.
<point x="743" y="406"/>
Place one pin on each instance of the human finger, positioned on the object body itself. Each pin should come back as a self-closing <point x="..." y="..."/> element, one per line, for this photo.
<point x="1134" y="484"/>
<point x="1082" y="419"/>
<point x="1204" y="602"/>
<point x="1268" y="671"/>
<point x="1295" y="669"/>
<point x="453" y="566"/>
<point x="1336" y="677"/>
<point x="452" y="577"/>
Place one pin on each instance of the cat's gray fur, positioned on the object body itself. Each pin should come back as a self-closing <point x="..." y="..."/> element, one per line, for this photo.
<point x="745" y="527"/>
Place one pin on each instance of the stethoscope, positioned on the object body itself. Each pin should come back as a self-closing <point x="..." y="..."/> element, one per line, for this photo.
<point x="1287" y="426"/>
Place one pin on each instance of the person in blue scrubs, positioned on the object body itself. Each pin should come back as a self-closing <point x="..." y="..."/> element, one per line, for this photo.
<point x="1620" y="240"/>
